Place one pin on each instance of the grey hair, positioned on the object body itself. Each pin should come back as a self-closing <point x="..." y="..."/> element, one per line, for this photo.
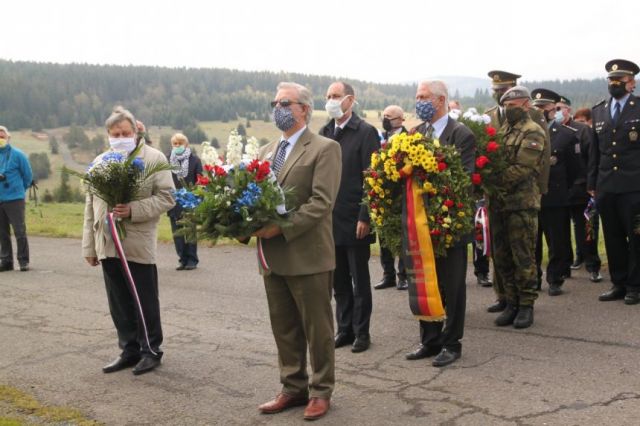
<point x="438" y="88"/>
<point x="304" y="96"/>
<point x="119" y="115"/>
<point x="6" y="131"/>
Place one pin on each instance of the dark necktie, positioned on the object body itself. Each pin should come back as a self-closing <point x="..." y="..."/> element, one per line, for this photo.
<point x="616" y="114"/>
<point x="281" y="155"/>
<point x="430" y="130"/>
<point x="337" y="132"/>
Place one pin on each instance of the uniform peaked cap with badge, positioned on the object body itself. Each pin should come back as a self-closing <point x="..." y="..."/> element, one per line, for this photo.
<point x="502" y="79"/>
<point x="620" y="68"/>
<point x="545" y="96"/>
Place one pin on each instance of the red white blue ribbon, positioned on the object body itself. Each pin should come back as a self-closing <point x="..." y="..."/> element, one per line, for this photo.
<point x="482" y="219"/>
<point x="262" y="260"/>
<point x="125" y="266"/>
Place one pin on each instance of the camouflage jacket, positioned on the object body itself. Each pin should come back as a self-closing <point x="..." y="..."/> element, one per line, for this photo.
<point x="524" y="145"/>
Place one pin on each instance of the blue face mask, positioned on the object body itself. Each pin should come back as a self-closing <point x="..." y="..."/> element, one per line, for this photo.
<point x="179" y="150"/>
<point x="425" y="110"/>
<point x="283" y="117"/>
<point x="559" y="118"/>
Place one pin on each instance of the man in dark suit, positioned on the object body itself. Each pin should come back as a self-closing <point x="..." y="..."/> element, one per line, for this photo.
<point x="301" y="256"/>
<point x="436" y="338"/>
<point x="614" y="178"/>
<point x="586" y="249"/>
<point x="554" y="220"/>
<point x="352" y="283"/>
<point x="392" y="119"/>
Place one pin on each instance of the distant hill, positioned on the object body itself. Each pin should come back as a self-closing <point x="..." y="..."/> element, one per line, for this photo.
<point x="45" y="95"/>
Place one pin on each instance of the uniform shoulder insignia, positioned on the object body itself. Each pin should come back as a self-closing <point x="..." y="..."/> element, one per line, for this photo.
<point x="601" y="102"/>
<point x="570" y="128"/>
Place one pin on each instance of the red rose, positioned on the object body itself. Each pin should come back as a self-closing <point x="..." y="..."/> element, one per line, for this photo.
<point x="476" y="179"/>
<point x="460" y="205"/>
<point x="492" y="146"/>
<point x="449" y="203"/>
<point x="208" y="167"/>
<point x="435" y="232"/>
<point x="253" y="166"/>
<point x="442" y="166"/>
<point x="202" y="180"/>
<point x="263" y="171"/>
<point x="219" y="171"/>
<point x="482" y="161"/>
<point x="491" y="131"/>
<point x="374" y="175"/>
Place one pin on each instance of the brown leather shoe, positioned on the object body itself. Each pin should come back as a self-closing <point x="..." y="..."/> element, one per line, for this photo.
<point x="282" y="402"/>
<point x="316" y="408"/>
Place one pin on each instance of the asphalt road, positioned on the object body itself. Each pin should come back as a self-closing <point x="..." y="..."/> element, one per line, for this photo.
<point x="578" y="364"/>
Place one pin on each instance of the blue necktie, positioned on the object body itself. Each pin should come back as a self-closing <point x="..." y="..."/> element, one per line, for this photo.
<point x="281" y="155"/>
<point x="616" y="114"/>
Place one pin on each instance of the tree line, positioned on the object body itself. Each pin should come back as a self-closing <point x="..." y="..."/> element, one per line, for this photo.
<point x="45" y="95"/>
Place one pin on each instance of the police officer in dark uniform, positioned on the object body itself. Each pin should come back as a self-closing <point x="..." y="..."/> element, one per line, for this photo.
<point x="554" y="216"/>
<point x="586" y="248"/>
<point x="501" y="81"/>
<point x="614" y="178"/>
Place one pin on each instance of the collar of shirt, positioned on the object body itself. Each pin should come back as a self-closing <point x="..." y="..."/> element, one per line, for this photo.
<point x="292" y="141"/>
<point x="622" y="103"/>
<point x="439" y="125"/>
<point x="343" y="124"/>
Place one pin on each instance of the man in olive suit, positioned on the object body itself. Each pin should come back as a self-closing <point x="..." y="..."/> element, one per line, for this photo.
<point x="301" y="257"/>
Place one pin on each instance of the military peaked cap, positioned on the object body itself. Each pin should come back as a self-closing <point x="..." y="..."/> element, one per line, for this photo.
<point x="621" y="67"/>
<point x="564" y="100"/>
<point x="502" y="79"/>
<point x="544" y="96"/>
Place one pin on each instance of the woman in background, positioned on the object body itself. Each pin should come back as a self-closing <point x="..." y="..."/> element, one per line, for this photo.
<point x="187" y="166"/>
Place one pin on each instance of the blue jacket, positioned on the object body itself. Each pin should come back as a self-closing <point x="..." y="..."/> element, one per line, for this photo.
<point x="17" y="171"/>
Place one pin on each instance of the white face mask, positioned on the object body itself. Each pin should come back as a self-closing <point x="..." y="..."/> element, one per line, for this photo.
<point x="123" y="144"/>
<point x="334" y="107"/>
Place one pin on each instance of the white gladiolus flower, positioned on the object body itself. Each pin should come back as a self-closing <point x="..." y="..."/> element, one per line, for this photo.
<point x="234" y="149"/>
<point x="251" y="149"/>
<point x="455" y="114"/>
<point x="486" y="119"/>
<point x="209" y="155"/>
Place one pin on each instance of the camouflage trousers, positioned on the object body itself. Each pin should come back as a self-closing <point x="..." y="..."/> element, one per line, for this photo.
<point x="513" y="237"/>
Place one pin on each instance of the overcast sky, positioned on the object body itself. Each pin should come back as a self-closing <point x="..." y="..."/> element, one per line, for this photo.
<point x="383" y="41"/>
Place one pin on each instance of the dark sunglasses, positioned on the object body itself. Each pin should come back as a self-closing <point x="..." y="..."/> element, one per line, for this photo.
<point x="284" y="103"/>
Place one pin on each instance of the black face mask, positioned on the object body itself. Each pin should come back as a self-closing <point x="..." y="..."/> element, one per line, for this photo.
<point x="514" y="114"/>
<point x="386" y="124"/>
<point x="617" y="89"/>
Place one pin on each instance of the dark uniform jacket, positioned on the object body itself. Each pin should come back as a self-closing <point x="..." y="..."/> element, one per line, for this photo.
<point x="358" y="140"/>
<point x="565" y="165"/>
<point x="458" y="135"/>
<point x="614" y="155"/>
<point x="578" y="195"/>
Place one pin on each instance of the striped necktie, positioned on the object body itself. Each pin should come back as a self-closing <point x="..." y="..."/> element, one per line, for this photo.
<point x="281" y="155"/>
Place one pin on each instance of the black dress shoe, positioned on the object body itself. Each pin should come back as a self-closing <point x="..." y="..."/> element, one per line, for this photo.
<point x="631" y="298"/>
<point x="6" y="267"/>
<point x="385" y="283"/>
<point x="497" y="307"/>
<point x="403" y="284"/>
<point x="555" y="290"/>
<point x="577" y="264"/>
<point x="24" y="267"/>
<point x="507" y="316"/>
<point x="361" y="343"/>
<point x="120" y="364"/>
<point x="180" y="267"/>
<point x="145" y="365"/>
<point x="445" y="357"/>
<point x="595" y="277"/>
<point x="423" y="352"/>
<point x="524" y="318"/>
<point x="344" y="339"/>
<point x="483" y="280"/>
<point x="615" y="293"/>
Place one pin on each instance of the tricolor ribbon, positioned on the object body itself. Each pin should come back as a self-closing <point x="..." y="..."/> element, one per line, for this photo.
<point x="424" y="295"/>
<point x="262" y="260"/>
<point x="125" y="266"/>
<point x="482" y="219"/>
<point x="589" y="213"/>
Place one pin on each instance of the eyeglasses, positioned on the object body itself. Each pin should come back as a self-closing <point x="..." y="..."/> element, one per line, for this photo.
<point x="284" y="103"/>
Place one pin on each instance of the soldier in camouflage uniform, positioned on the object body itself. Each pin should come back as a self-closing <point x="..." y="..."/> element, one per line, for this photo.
<point x="501" y="81"/>
<point x="514" y="212"/>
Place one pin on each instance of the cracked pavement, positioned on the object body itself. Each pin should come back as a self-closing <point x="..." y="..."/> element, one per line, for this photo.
<point x="577" y="365"/>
